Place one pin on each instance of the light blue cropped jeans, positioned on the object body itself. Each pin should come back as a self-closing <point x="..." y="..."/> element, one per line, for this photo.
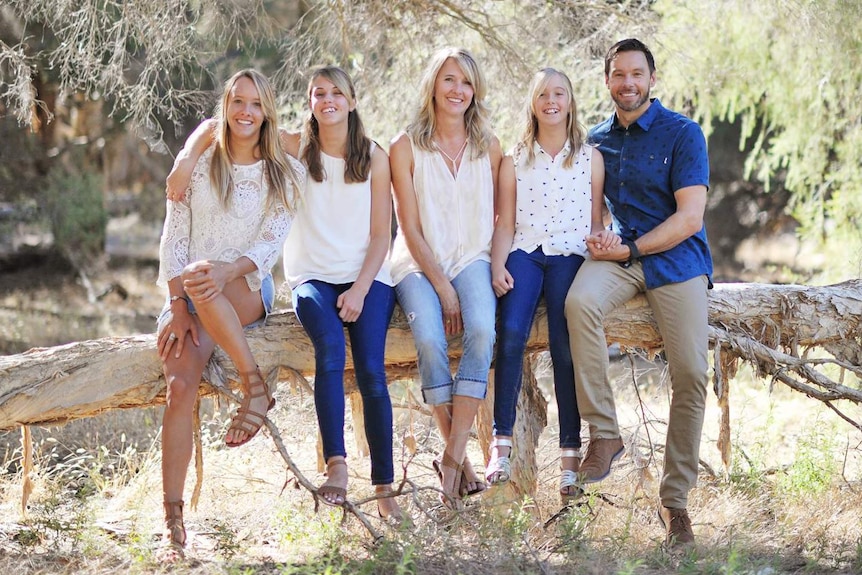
<point x="425" y="316"/>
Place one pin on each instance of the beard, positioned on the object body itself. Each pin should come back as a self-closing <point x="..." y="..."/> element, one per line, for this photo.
<point x="629" y="105"/>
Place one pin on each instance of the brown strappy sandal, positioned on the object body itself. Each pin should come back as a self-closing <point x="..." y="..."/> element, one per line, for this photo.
<point x="245" y="419"/>
<point x="451" y="499"/>
<point x="330" y="489"/>
<point x="479" y="486"/>
<point x="174" y="539"/>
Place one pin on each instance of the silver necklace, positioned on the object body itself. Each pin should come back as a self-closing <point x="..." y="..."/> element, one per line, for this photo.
<point x="448" y="157"/>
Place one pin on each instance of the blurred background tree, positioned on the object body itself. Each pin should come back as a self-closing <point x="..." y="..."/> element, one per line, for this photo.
<point x="776" y="85"/>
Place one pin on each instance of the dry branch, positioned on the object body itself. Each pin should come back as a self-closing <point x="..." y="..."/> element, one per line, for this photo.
<point x="772" y="326"/>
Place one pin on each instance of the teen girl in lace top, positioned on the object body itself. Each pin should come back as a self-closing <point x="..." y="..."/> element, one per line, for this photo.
<point x="218" y="247"/>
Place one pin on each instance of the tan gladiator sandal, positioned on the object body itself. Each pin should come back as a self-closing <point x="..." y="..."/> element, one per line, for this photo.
<point x="174" y="538"/>
<point x="246" y="420"/>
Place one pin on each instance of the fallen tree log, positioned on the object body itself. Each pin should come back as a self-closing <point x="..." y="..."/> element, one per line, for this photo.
<point x="57" y="384"/>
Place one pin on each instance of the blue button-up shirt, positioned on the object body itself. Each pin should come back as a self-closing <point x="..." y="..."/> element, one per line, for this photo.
<point x="645" y="164"/>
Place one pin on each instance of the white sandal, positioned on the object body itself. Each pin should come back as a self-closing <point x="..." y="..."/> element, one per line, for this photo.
<point x="569" y="478"/>
<point x="499" y="470"/>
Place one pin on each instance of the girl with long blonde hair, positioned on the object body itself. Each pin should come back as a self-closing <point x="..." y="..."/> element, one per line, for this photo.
<point x="550" y="198"/>
<point x="220" y="241"/>
<point x="444" y="173"/>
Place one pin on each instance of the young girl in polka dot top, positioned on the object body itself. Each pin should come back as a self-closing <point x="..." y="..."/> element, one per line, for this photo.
<point x="550" y="198"/>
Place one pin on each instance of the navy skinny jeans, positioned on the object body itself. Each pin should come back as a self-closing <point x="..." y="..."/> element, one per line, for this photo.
<point x="536" y="274"/>
<point x="314" y="302"/>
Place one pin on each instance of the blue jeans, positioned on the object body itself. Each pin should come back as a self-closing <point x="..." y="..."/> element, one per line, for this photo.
<point x="536" y="274"/>
<point x="314" y="302"/>
<point x="425" y="316"/>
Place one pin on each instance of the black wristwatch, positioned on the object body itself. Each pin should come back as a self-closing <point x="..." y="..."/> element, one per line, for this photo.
<point x="634" y="253"/>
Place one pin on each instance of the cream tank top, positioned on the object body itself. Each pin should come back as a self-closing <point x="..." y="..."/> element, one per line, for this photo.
<point x="332" y="229"/>
<point x="456" y="213"/>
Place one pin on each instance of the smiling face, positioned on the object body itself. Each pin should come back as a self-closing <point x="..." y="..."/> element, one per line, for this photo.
<point x="330" y="102"/>
<point x="629" y="81"/>
<point x="244" y="112"/>
<point x="552" y="101"/>
<point x="453" y="91"/>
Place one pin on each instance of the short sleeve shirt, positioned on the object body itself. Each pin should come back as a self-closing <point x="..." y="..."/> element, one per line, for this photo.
<point x="645" y="165"/>
<point x="553" y="202"/>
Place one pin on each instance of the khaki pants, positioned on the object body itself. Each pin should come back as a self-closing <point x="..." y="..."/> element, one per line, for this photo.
<point x="680" y="310"/>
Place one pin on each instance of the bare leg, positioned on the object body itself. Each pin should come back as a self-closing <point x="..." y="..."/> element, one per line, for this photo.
<point x="183" y="376"/>
<point x="224" y="317"/>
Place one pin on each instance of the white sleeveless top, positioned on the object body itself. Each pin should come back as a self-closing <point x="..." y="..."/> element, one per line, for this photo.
<point x="332" y="229"/>
<point x="553" y="208"/>
<point x="456" y="213"/>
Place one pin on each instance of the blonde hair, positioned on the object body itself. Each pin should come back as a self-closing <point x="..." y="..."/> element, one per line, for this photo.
<point x="574" y="130"/>
<point x="476" y="118"/>
<point x="357" y="156"/>
<point x="276" y="166"/>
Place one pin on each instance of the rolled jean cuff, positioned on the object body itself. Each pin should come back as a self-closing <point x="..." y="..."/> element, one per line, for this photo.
<point x="570" y="445"/>
<point x="437" y="395"/>
<point x="470" y="388"/>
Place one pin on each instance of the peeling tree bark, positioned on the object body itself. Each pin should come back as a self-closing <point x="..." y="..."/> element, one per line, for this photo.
<point x="772" y="326"/>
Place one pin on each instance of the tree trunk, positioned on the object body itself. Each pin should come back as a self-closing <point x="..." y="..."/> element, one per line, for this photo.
<point x="767" y="324"/>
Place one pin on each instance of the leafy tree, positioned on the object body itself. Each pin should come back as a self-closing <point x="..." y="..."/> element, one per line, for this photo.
<point x="791" y="71"/>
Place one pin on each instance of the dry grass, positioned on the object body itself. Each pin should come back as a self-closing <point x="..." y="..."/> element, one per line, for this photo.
<point x="96" y="508"/>
<point x="790" y="503"/>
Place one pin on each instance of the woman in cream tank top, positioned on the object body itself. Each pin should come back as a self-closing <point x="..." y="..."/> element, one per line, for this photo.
<point x="444" y="170"/>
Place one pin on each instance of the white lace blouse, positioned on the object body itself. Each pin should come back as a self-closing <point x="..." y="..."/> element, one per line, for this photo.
<point x="198" y="228"/>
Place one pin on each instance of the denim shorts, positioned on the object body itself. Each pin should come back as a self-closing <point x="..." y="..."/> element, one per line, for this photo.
<point x="267" y="296"/>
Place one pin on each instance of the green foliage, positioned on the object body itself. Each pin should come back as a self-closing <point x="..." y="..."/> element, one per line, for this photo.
<point x="74" y="205"/>
<point x="58" y="518"/>
<point x="791" y="72"/>
<point x="226" y="543"/>
<point x="630" y="567"/>
<point x="393" y="557"/>
<point x="294" y="528"/>
<point x="573" y="527"/>
<point x="812" y="469"/>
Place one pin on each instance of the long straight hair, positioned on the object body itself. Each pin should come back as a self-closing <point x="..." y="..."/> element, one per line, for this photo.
<point x="476" y="118"/>
<point x="283" y="182"/>
<point x="574" y="130"/>
<point x="357" y="156"/>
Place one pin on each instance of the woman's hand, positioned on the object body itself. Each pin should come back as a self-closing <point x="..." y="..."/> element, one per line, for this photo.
<point x="177" y="183"/>
<point x="350" y="304"/>
<point x="452" y="323"/>
<point x="604" y="248"/>
<point x="205" y="280"/>
<point x="173" y="334"/>
<point x="604" y="240"/>
<point x="502" y="281"/>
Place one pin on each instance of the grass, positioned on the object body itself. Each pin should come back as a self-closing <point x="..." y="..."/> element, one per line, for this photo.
<point x="790" y="503"/>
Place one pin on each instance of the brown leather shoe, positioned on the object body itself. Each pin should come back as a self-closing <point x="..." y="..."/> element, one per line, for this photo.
<point x="677" y="525"/>
<point x="601" y="453"/>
